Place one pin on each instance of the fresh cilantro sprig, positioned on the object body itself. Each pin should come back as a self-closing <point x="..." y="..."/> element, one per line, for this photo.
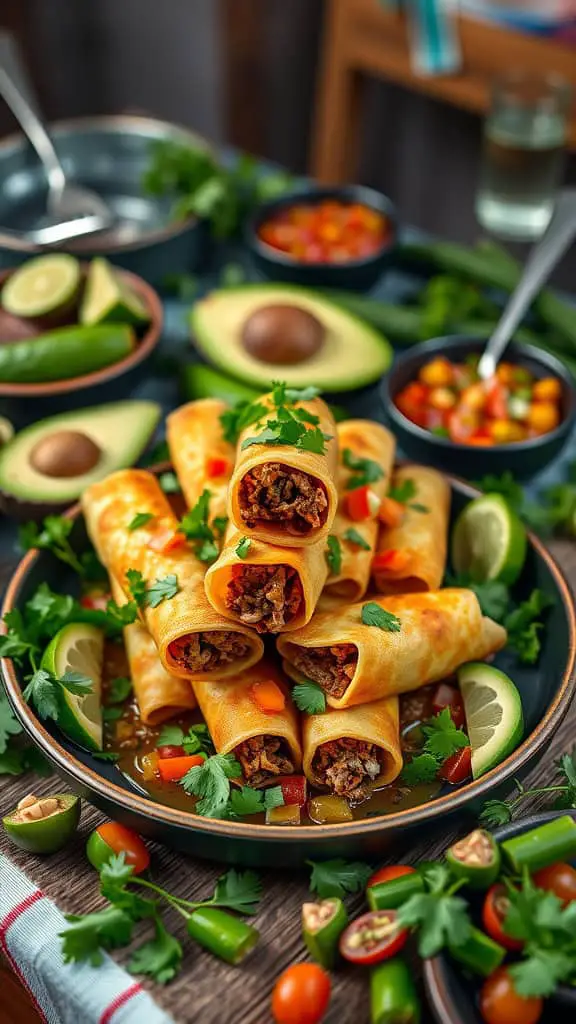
<point x="553" y="511"/>
<point x="309" y="697"/>
<point x="439" y="917"/>
<point x="338" y="877"/>
<point x="243" y="547"/>
<point x="53" y="534"/>
<point x="363" y="471"/>
<point x="334" y="555"/>
<point x="44" y="690"/>
<point x="195" y="525"/>
<point x="404" y="492"/>
<point x="373" y="615"/>
<point x="210" y="782"/>
<point x="500" y="812"/>
<point x="547" y="929"/>
<point x="523" y="621"/>
<point x="150" y="595"/>
<point x="195" y="741"/>
<point x="284" y="422"/>
<point x="139" y="520"/>
<point x="443" y="739"/>
<point x="246" y="801"/>
<point x="353" y="536"/>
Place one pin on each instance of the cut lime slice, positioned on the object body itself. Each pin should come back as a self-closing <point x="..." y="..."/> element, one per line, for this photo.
<point x="494" y="717"/>
<point x="78" y="648"/>
<point x="489" y="541"/>
<point x="108" y="299"/>
<point x="42" y="286"/>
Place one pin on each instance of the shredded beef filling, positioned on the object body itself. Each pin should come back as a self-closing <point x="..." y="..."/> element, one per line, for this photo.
<point x="331" y="667"/>
<point x="348" y="767"/>
<point x="264" y="757"/>
<point x="274" y="493"/>
<point x="204" y="652"/>
<point x="265" y="596"/>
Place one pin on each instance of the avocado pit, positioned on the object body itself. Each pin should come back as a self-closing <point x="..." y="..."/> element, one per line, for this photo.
<point x="282" y="335"/>
<point x="65" y="453"/>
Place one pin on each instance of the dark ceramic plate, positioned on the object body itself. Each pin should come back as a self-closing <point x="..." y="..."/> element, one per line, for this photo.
<point x="452" y="994"/>
<point x="546" y="691"/>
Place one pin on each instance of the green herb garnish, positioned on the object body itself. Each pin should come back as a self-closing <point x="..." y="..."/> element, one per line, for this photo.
<point x="283" y="423"/>
<point x="119" y="690"/>
<point x="374" y="615"/>
<point x="354" y="537"/>
<point x="243" y="547"/>
<point x="363" y="471"/>
<point x="500" y="812"/>
<point x="334" y="555"/>
<point x="210" y="782"/>
<point x="151" y="595"/>
<point x="195" y="525"/>
<point x="439" y="917"/>
<point x="246" y="801"/>
<point x="309" y="697"/>
<point x="43" y="690"/>
<point x="140" y="519"/>
<point x="443" y="739"/>
<point x="338" y="877"/>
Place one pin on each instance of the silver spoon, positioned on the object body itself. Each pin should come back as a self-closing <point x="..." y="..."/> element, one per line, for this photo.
<point x="66" y="201"/>
<point x="540" y="263"/>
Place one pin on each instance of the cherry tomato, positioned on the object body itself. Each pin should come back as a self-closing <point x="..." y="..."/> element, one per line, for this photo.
<point x="301" y="995"/>
<point x="388" y="873"/>
<point x="496" y="406"/>
<point x="170" y="751"/>
<point x="111" y="837"/>
<point x="391" y="561"/>
<point x="494" y="911"/>
<point x="373" y="937"/>
<point x="462" y="423"/>
<point x="458" y="767"/>
<point x="446" y="696"/>
<point x="558" y="878"/>
<point x="362" y="503"/>
<point x="501" y="1004"/>
<point x="294" y="789"/>
<point x="217" y="466"/>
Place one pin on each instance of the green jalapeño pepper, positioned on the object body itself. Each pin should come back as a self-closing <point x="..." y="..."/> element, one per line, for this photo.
<point x="475" y="859"/>
<point x="43" y="824"/>
<point x="220" y="933"/>
<point x="479" y="953"/>
<point x="392" y="894"/>
<point x="322" y="926"/>
<point x="393" y="995"/>
<point x="542" y="846"/>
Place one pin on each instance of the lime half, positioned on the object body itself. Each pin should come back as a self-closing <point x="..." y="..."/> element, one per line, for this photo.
<point x="494" y="717"/>
<point x="489" y="541"/>
<point x="42" y="286"/>
<point x="78" y="648"/>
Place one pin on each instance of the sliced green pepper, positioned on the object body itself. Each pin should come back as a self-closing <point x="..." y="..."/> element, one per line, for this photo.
<point x="392" y="894"/>
<point x="393" y="995"/>
<point x="67" y="352"/>
<point x="322" y="926"/>
<point x="542" y="846"/>
<point x="475" y="859"/>
<point x="43" y="824"/>
<point x="479" y="953"/>
<point x="226" y="936"/>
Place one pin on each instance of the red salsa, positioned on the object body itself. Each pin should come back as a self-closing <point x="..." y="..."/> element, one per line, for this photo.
<point x="451" y="401"/>
<point x="330" y="231"/>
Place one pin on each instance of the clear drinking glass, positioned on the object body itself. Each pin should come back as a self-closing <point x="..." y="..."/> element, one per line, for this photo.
<point x="523" y="154"/>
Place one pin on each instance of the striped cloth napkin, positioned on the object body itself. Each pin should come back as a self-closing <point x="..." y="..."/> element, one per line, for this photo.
<point x="63" y="993"/>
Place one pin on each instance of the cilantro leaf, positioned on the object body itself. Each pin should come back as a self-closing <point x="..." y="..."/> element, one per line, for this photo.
<point x="162" y="590"/>
<point x="364" y="471"/>
<point x="374" y="615"/>
<point x="309" y="697"/>
<point x="441" y="920"/>
<point x="9" y="724"/>
<point x="495" y="813"/>
<point x="195" y="525"/>
<point x="567" y="766"/>
<point x="403" y="492"/>
<point x="301" y="394"/>
<point x="170" y="736"/>
<point x="160" y="958"/>
<point x="493" y="596"/>
<point x="313" y="441"/>
<point x="246" y="801"/>
<point x="421" y="768"/>
<point x="210" y="782"/>
<point x="119" y="690"/>
<point x="198" y="739"/>
<point x="506" y="485"/>
<point x="52" y="535"/>
<point x="541" y="972"/>
<point x="243" y="547"/>
<point x="86" y="936"/>
<point x="136" y="586"/>
<point x="242" y="415"/>
<point x="338" y="877"/>
<point x="219" y="523"/>
<point x="417" y="507"/>
<point x="238" y="890"/>
<point x="523" y="625"/>
<point x="140" y="519"/>
<point x="354" y="537"/>
<point x="111" y="714"/>
<point x="442" y="737"/>
<point x="12" y="761"/>
<point x="169" y="483"/>
<point x="334" y="555"/>
<point x="42" y="691"/>
<point x="76" y="683"/>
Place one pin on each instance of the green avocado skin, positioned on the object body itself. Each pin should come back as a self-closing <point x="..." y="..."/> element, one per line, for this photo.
<point x="48" y="834"/>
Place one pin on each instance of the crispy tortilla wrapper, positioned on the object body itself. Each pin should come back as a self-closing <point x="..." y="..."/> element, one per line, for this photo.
<point x="439" y="631"/>
<point x="377" y="722"/>
<point x="421" y="537"/>
<point x="194" y="436"/>
<point x="366" y="440"/>
<point x="320" y="469"/>
<point x="178" y="624"/>
<point x="160" y="695"/>
<point x="308" y="563"/>
<point x="233" y="715"/>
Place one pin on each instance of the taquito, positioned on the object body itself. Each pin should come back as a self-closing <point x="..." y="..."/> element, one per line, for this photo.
<point x="192" y="639"/>
<point x="411" y="557"/>
<point x="160" y="695"/>
<point x="283" y="494"/>
<point x="267" y="744"/>
<point x="202" y="458"/>
<point x="363" y="439"/>
<point x="430" y="636"/>
<point x="272" y="589"/>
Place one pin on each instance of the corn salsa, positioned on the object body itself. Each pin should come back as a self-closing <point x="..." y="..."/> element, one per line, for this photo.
<point x="450" y="400"/>
<point x="330" y="231"/>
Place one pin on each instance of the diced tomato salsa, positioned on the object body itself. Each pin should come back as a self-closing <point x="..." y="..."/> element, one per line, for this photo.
<point x="330" y="231"/>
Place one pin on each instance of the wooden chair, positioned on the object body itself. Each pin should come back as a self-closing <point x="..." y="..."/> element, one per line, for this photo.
<point x="362" y="38"/>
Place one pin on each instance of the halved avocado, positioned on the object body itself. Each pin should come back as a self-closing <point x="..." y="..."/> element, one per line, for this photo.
<point x="48" y="465"/>
<point x="323" y="345"/>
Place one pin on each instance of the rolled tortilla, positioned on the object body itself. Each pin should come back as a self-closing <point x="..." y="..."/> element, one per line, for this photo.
<point x="282" y="494"/>
<point x="198" y="449"/>
<point x="192" y="639"/>
<point x="271" y="589"/>
<point x="419" y="543"/>
<point x="355" y="663"/>
<point x="266" y="744"/>
<point x="160" y="694"/>
<point x="366" y="440"/>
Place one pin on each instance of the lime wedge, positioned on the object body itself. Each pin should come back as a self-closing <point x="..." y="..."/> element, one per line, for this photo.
<point x="108" y="299"/>
<point x="494" y="718"/>
<point x="489" y="541"/>
<point x="78" y="648"/>
<point x="42" y="286"/>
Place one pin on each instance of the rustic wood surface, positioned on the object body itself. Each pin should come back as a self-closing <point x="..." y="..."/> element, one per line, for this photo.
<point x="207" y="991"/>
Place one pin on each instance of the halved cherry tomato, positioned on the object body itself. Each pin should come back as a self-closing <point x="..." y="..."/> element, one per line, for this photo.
<point x="362" y="503"/>
<point x="558" y="878"/>
<point x="458" y="767"/>
<point x="166" y="539"/>
<point x="217" y="466"/>
<point x="301" y="995"/>
<point x="172" y="769"/>
<point x="388" y="873"/>
<point x="462" y="423"/>
<point x="496" y="401"/>
<point x="391" y="512"/>
<point x="390" y="560"/>
<point x="373" y="937"/>
<point x="170" y="750"/>
<point x="110" y="838"/>
<point x="496" y="905"/>
<point x="294" y="789"/>
<point x="268" y="696"/>
<point x="95" y="600"/>
<point x="501" y="1004"/>
<point x="446" y="696"/>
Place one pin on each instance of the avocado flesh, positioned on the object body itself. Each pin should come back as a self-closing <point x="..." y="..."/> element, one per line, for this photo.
<point x="353" y="353"/>
<point x="108" y="299"/>
<point x="121" y="430"/>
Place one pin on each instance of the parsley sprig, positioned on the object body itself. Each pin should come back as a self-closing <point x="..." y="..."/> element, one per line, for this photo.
<point x="363" y="471"/>
<point x="500" y="812"/>
<point x="547" y="928"/>
<point x="210" y="782"/>
<point x="373" y="615"/>
<point x="44" y="690"/>
<point x="443" y="740"/>
<point x="284" y="423"/>
<point x="522" y="621"/>
<point x="196" y="740"/>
